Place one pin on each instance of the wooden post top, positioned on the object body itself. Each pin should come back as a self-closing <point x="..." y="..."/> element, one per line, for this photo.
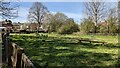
<point x="1" y="29"/>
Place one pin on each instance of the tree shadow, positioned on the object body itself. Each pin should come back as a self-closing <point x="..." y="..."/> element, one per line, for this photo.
<point x="56" y="52"/>
<point x="110" y="45"/>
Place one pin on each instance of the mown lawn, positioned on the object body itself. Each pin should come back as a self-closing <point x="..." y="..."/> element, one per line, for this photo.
<point x="62" y="50"/>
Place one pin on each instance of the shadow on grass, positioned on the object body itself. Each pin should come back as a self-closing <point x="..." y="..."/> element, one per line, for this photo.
<point x="56" y="52"/>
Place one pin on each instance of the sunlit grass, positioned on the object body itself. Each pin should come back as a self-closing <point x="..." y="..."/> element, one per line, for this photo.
<point x="107" y="38"/>
<point x="67" y="52"/>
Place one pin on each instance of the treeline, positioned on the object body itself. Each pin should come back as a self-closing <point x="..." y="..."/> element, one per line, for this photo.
<point x="97" y="19"/>
<point x="108" y="27"/>
<point x="61" y="24"/>
<point x="58" y="22"/>
<point x="100" y="18"/>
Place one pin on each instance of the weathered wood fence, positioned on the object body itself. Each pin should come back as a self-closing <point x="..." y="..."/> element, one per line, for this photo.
<point x="80" y="40"/>
<point x="14" y="55"/>
<point x="90" y="40"/>
<point x="17" y="57"/>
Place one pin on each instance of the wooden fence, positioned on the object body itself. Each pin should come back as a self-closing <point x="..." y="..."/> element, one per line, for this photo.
<point x="17" y="57"/>
<point x="14" y="55"/>
<point x="90" y="40"/>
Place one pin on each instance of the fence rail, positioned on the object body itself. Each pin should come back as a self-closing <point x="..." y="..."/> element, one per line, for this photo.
<point x="17" y="57"/>
<point x="14" y="55"/>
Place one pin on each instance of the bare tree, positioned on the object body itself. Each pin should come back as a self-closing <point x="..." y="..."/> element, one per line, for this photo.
<point x="112" y="20"/>
<point x="118" y="22"/>
<point x="47" y="20"/>
<point x="37" y="12"/>
<point x="95" y="10"/>
<point x="8" y="10"/>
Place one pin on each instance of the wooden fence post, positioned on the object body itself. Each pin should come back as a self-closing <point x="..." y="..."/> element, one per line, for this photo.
<point x="2" y="36"/>
<point x="10" y="50"/>
<point x="4" y="44"/>
<point x="7" y="45"/>
<point x="19" y="58"/>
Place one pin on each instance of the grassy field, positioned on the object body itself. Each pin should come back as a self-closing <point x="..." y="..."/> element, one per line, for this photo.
<point x="106" y="38"/>
<point x="62" y="50"/>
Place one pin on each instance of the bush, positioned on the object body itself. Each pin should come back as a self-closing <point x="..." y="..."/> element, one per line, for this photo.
<point x="65" y="30"/>
<point x="60" y="23"/>
<point x="68" y="28"/>
<point x="87" y="26"/>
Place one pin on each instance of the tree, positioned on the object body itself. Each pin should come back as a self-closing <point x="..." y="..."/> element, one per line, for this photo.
<point x="112" y="26"/>
<point x="8" y="10"/>
<point x="96" y="11"/>
<point x="60" y="23"/>
<point x="37" y="12"/>
<point x="47" y="21"/>
<point x="118" y="22"/>
<point x="60" y="17"/>
<point x="112" y="20"/>
<point x="68" y="27"/>
<point x="57" y="21"/>
<point x="103" y="28"/>
<point x="9" y="21"/>
<point x="87" y="26"/>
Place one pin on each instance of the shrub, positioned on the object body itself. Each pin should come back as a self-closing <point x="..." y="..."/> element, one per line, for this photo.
<point x="68" y="28"/>
<point x="87" y="26"/>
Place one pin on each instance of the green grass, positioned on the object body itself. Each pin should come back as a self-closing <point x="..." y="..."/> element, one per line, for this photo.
<point x="52" y="50"/>
<point x="109" y="39"/>
<point x="106" y="38"/>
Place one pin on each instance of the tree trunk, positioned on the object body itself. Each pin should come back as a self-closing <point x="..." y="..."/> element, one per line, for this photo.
<point x="38" y="26"/>
<point x="95" y="29"/>
<point x="95" y="26"/>
<point x="96" y="21"/>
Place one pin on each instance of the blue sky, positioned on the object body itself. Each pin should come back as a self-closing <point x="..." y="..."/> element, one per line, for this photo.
<point x="71" y="9"/>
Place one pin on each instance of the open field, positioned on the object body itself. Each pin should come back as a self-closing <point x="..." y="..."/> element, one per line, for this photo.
<point x="106" y="38"/>
<point x="57" y="50"/>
